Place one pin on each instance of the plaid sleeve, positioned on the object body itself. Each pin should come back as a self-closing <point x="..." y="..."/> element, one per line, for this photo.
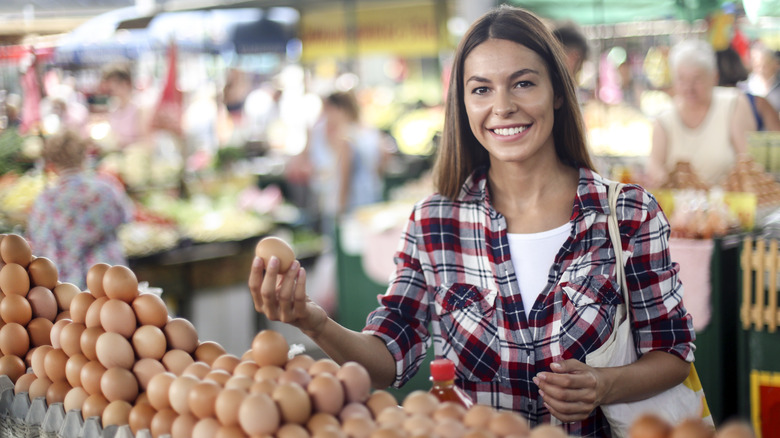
<point x="403" y="315"/>
<point x="659" y="317"/>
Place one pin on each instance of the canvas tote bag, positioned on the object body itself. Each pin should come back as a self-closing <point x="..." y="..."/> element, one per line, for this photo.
<point x="685" y="400"/>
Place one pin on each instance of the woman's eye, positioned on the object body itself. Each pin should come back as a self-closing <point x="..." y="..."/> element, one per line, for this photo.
<point x="523" y="84"/>
<point x="479" y="90"/>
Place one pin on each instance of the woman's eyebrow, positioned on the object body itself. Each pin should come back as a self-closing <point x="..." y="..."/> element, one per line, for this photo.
<point x="517" y="74"/>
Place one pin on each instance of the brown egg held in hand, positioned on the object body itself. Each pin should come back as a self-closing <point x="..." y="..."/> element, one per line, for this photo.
<point x="274" y="246"/>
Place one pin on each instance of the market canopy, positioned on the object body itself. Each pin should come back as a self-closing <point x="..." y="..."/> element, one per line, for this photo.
<point x="590" y="12"/>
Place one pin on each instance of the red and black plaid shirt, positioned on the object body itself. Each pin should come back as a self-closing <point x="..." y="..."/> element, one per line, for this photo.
<point x="455" y="277"/>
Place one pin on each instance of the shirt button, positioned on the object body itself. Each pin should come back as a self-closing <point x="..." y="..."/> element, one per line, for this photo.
<point x="531" y="407"/>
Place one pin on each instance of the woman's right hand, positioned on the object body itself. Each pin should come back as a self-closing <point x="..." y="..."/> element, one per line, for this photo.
<point x="282" y="297"/>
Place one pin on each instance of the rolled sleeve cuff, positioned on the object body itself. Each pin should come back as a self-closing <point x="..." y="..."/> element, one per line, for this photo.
<point x="404" y="343"/>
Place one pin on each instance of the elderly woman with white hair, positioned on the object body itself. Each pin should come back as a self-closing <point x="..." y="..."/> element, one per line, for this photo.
<point x="706" y="126"/>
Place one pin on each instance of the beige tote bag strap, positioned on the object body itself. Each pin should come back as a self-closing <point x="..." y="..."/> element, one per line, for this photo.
<point x="617" y="243"/>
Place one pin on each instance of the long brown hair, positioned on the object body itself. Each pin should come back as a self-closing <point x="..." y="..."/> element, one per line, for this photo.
<point x="460" y="152"/>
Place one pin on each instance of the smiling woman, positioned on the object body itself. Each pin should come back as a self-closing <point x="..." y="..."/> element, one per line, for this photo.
<point x="508" y="270"/>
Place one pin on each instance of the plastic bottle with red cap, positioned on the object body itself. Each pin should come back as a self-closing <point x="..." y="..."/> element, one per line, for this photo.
<point x="443" y="379"/>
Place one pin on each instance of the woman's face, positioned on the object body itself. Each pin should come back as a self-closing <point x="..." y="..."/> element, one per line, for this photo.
<point x="509" y="100"/>
<point x="694" y="83"/>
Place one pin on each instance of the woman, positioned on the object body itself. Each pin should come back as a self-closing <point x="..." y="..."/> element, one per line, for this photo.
<point x="516" y="190"/>
<point x="731" y="73"/>
<point x="74" y="222"/>
<point x="707" y="125"/>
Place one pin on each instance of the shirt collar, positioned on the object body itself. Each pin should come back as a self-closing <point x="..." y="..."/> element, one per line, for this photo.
<point x="591" y="191"/>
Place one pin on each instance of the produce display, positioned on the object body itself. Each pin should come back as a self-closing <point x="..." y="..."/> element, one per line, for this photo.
<point x="749" y="176"/>
<point x="115" y="354"/>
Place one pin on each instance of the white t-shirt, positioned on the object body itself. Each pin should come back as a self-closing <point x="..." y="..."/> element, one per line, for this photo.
<point x="532" y="256"/>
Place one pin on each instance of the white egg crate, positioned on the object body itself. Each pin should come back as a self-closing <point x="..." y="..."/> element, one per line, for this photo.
<point x="22" y="418"/>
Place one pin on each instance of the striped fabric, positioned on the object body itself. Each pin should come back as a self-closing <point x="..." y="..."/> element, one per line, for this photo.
<point x="455" y="286"/>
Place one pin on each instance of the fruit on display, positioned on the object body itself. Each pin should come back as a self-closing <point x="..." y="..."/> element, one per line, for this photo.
<point x="115" y="353"/>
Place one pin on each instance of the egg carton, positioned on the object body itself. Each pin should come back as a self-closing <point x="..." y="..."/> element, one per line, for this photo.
<point x="21" y="417"/>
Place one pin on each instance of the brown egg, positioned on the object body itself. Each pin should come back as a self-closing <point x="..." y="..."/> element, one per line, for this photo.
<point x="394" y="416"/>
<point x="356" y="381"/>
<point x="246" y="368"/>
<point x="354" y="409"/>
<point x="202" y="398"/>
<point x="449" y="427"/>
<point x="74" y="399"/>
<point x="649" y="426"/>
<point x="56" y="331"/>
<point x="94" y="406"/>
<point x="117" y="413"/>
<point x="292" y="430"/>
<point x="91" y="373"/>
<point x="263" y="387"/>
<point x="150" y="310"/>
<point x="117" y="316"/>
<point x="230" y="432"/>
<point x="303" y="361"/>
<point x="149" y="342"/>
<point x="179" y="392"/>
<point x="162" y="422"/>
<point x="14" y="339"/>
<point x="158" y="390"/>
<point x="42" y="302"/>
<point x="142" y="398"/>
<point x="735" y="429"/>
<point x="64" y="314"/>
<point x="12" y="366"/>
<point x="120" y="283"/>
<point x="54" y="364"/>
<point x="220" y="377"/>
<point x="269" y="347"/>
<point x="239" y="382"/>
<point x="547" y="431"/>
<point x="379" y="400"/>
<point x="327" y="394"/>
<point x="39" y="330"/>
<point x="64" y="293"/>
<point x="15" y="308"/>
<point x="255" y="424"/>
<point x="57" y="391"/>
<point x="268" y="372"/>
<point x="387" y="432"/>
<point x="324" y="365"/>
<point x="70" y="338"/>
<point x="197" y="370"/>
<point x="295" y="375"/>
<point x="140" y="417"/>
<point x="508" y="422"/>
<point x="208" y="352"/>
<point x="357" y="427"/>
<point x="43" y="272"/>
<point x="176" y="361"/>
<point x="37" y="358"/>
<point x="73" y="369"/>
<point x="95" y="279"/>
<point x="119" y="384"/>
<point x="478" y="416"/>
<point x="92" y="318"/>
<point x="227" y="362"/>
<point x="23" y="382"/>
<point x="293" y="402"/>
<point x="206" y="428"/>
<point x="419" y="425"/>
<point x="88" y="341"/>
<point x="15" y="249"/>
<point x="183" y="426"/>
<point x="274" y="246"/>
<point x="321" y="420"/>
<point x="39" y="387"/>
<point x="227" y="404"/>
<point x="79" y="306"/>
<point x="145" y="369"/>
<point x="181" y="335"/>
<point x="114" y="350"/>
<point x="14" y="280"/>
<point x="692" y="428"/>
<point x="420" y="402"/>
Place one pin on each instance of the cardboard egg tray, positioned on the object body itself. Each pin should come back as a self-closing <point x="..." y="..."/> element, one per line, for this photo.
<point x="22" y="418"/>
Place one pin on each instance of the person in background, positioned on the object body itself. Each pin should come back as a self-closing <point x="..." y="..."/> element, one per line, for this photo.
<point x="576" y="49"/>
<point x="125" y="114"/>
<point x="706" y="125"/>
<point x="508" y="269"/>
<point x="764" y="80"/>
<point x="732" y="73"/>
<point x="74" y="221"/>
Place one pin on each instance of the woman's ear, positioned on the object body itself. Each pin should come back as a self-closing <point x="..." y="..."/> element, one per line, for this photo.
<point x="558" y="103"/>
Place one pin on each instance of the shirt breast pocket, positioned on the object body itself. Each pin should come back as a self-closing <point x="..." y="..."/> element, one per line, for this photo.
<point x="466" y="318"/>
<point x="589" y="306"/>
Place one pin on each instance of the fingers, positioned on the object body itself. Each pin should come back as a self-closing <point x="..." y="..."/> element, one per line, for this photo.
<point x="255" y="282"/>
<point x="300" y="298"/>
<point x="270" y="303"/>
<point x="569" y="391"/>
<point x="287" y="291"/>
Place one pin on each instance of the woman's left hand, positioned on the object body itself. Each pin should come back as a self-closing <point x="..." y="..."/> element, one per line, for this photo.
<point x="572" y="390"/>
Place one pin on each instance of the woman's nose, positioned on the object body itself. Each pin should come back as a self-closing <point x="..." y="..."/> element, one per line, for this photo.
<point x="504" y="106"/>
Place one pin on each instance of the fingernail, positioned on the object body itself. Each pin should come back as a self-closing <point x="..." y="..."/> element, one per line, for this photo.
<point x="536" y="381"/>
<point x="274" y="262"/>
<point x="541" y="393"/>
<point x="295" y="264"/>
<point x="541" y="376"/>
<point x="256" y="262"/>
<point x="555" y="366"/>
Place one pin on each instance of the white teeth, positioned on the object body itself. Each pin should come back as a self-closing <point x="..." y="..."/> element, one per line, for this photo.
<point x="510" y="131"/>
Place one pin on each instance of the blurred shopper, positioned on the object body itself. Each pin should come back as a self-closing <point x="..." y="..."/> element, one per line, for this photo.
<point x="74" y="222"/>
<point x="706" y="125"/>
<point x="125" y="115"/>
<point x="731" y="73"/>
<point x="576" y="48"/>
<point x="765" y="77"/>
